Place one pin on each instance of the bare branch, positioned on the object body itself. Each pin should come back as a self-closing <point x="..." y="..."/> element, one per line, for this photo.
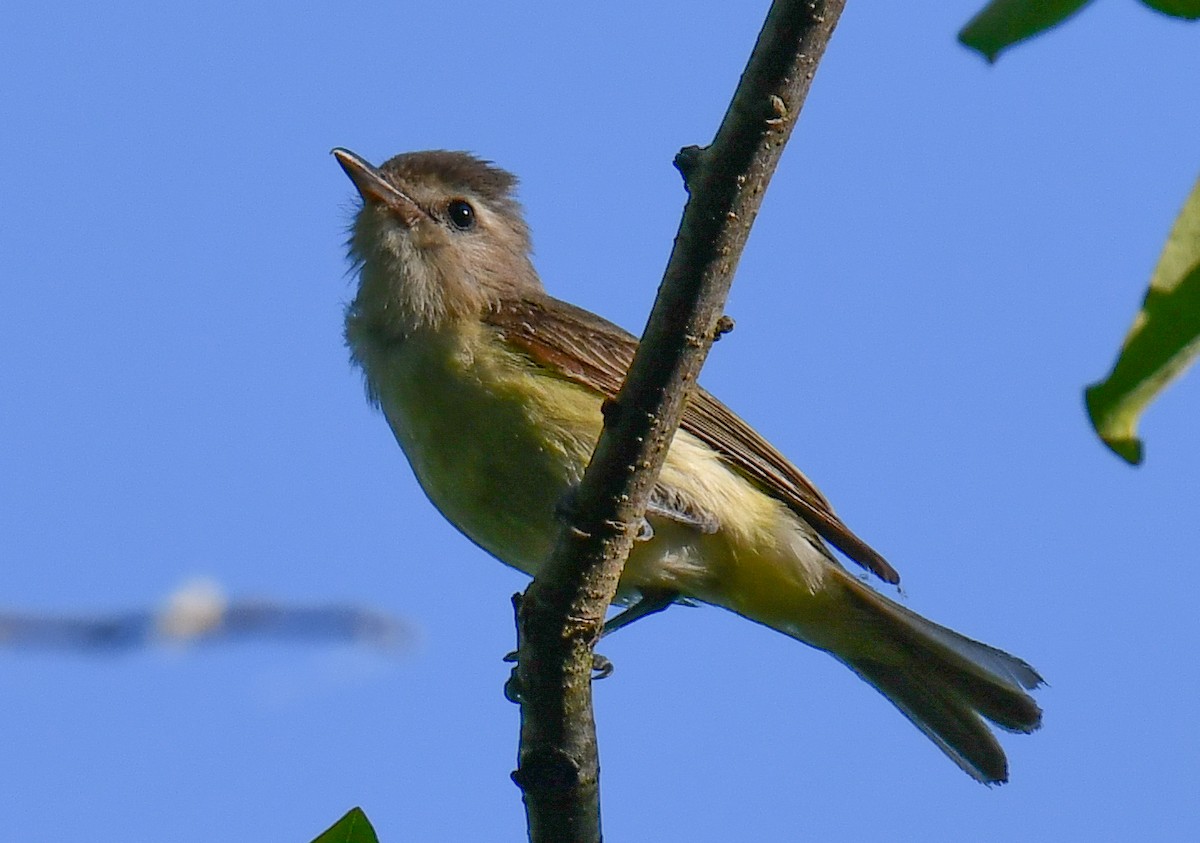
<point x="560" y="615"/>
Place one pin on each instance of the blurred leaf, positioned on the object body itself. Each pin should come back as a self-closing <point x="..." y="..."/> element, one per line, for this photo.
<point x="1189" y="9"/>
<point x="352" y="828"/>
<point x="1164" y="339"/>
<point x="1002" y="23"/>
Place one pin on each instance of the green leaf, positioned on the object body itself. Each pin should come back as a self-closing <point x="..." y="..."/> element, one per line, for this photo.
<point x="352" y="828"/>
<point x="1164" y="339"/>
<point x="1189" y="9"/>
<point x="1002" y="23"/>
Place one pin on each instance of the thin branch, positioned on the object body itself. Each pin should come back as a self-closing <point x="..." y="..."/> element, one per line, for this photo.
<point x="560" y="615"/>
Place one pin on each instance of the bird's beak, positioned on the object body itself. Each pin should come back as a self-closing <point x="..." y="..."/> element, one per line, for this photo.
<point x="375" y="189"/>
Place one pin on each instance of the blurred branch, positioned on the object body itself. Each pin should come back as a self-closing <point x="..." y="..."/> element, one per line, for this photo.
<point x="199" y="613"/>
<point x="560" y="616"/>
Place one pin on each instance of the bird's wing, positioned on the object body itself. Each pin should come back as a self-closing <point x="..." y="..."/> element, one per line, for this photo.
<point x="589" y="350"/>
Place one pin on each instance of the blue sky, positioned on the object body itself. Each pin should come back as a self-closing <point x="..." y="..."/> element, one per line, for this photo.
<point x="948" y="254"/>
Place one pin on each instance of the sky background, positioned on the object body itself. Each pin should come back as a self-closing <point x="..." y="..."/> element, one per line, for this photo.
<point x="948" y="254"/>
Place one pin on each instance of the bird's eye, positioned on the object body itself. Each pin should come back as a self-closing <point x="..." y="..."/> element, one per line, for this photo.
<point x="461" y="214"/>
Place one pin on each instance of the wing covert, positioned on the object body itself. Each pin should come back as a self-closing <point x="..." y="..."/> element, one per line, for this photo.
<point x="591" y="351"/>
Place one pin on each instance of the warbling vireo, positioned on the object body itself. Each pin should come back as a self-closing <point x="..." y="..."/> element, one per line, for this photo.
<point x="493" y="389"/>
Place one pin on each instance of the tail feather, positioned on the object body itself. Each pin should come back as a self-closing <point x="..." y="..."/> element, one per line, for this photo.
<point x="944" y="682"/>
<point x="945" y="720"/>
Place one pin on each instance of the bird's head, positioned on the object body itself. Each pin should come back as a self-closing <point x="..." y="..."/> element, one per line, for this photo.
<point x="439" y="237"/>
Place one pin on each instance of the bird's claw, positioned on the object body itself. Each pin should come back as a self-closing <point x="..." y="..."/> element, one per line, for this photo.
<point x="644" y="531"/>
<point x="512" y="687"/>
<point x="602" y="667"/>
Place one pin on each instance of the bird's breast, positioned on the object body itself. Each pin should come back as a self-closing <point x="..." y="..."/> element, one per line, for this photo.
<point x="494" y="441"/>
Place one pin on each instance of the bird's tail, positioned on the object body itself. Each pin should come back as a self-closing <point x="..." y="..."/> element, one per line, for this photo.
<point x="945" y="683"/>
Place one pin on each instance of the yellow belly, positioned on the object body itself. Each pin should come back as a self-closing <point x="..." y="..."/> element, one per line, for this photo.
<point x="493" y="444"/>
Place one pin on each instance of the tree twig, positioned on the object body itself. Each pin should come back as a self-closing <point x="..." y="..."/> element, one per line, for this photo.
<point x="561" y="613"/>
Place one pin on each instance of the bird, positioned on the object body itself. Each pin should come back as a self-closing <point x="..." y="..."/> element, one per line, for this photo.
<point x="493" y="389"/>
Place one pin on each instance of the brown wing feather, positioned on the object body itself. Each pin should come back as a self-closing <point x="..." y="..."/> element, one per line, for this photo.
<point x="592" y="351"/>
